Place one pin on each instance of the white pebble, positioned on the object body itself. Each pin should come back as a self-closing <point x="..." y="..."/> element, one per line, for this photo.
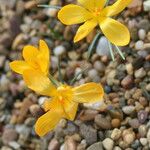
<point x="102" y="47"/>
<point x="146" y="5"/>
<point x="143" y="141"/>
<point x="140" y="73"/>
<point x="139" y="45"/>
<point x="108" y="144"/>
<point x="141" y="34"/>
<point x="41" y="100"/>
<point x="59" y="50"/>
<point x="92" y="73"/>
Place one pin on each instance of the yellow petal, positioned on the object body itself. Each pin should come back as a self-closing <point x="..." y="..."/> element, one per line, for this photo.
<point x="117" y="33"/>
<point x="73" y="14"/>
<point x="92" y="5"/>
<point x="38" y="82"/>
<point x="30" y="53"/>
<point x="47" y="122"/>
<point x="43" y="56"/>
<point x="88" y="93"/>
<point x="70" y="109"/>
<point x="19" y="66"/>
<point x="85" y="29"/>
<point x="116" y="8"/>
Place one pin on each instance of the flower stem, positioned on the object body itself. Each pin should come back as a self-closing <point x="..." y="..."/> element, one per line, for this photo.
<point x="54" y="81"/>
<point x="111" y="51"/>
<point x="91" y="47"/>
<point x="50" y="6"/>
<point x="59" y="71"/>
<point x="120" y="52"/>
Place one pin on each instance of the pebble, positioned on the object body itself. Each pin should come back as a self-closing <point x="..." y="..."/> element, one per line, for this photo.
<point x="143" y="141"/>
<point x="142" y="116"/>
<point x="134" y="123"/>
<point x="140" y="73"/>
<point x="117" y="148"/>
<point x="115" y="123"/>
<point x="96" y="146"/>
<point x="102" y="122"/>
<point x="108" y="144"/>
<point x="102" y="47"/>
<point x="14" y="145"/>
<point x="146" y="5"/>
<point x="142" y="130"/>
<point x="116" y="134"/>
<point x="92" y="73"/>
<point x="129" y="68"/>
<point x="59" y="50"/>
<point x="128" y="110"/>
<point x="141" y="34"/>
<point x="139" y="45"/>
<point x="88" y="133"/>
<point x="70" y="144"/>
<point x="127" y="82"/>
<point x="148" y="135"/>
<point x="128" y="136"/>
<point x="144" y="24"/>
<point x="53" y="145"/>
<point x="9" y="135"/>
<point x="99" y="66"/>
<point x="148" y="87"/>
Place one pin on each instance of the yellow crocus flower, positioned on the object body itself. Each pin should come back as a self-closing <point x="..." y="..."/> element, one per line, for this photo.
<point x="64" y="99"/>
<point x="93" y="13"/>
<point x="35" y="59"/>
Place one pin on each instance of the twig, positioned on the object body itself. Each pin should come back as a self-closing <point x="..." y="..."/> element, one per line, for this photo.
<point x="50" y="6"/>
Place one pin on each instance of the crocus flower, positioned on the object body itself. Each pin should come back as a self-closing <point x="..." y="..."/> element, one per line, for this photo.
<point x="93" y="13"/>
<point x="35" y="59"/>
<point x="64" y="99"/>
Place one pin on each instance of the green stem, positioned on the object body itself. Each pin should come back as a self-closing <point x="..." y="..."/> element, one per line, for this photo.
<point x="50" y="6"/>
<point x="111" y="51"/>
<point x="120" y="52"/>
<point x="59" y="71"/>
<point x="91" y="47"/>
<point x="54" y="81"/>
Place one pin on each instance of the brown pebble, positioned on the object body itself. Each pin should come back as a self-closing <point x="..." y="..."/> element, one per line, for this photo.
<point x="70" y="144"/>
<point x="115" y="123"/>
<point x="53" y="145"/>
<point x="127" y="82"/>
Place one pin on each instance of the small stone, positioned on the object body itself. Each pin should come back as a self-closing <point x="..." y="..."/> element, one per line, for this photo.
<point x="102" y="47"/>
<point x="70" y="129"/>
<point x="139" y="45"/>
<point x="102" y="122"/>
<point x="108" y="144"/>
<point x="73" y="55"/>
<point x="142" y="116"/>
<point x="99" y="66"/>
<point x="36" y="110"/>
<point x="146" y="5"/>
<point x="9" y="135"/>
<point x="59" y="50"/>
<point x="142" y="34"/>
<point x="127" y="82"/>
<point x="117" y="148"/>
<point x="128" y="136"/>
<point x="148" y="135"/>
<point x="144" y="24"/>
<point x="50" y="12"/>
<point x="14" y="145"/>
<point x="92" y="73"/>
<point x="140" y="73"/>
<point x="129" y="68"/>
<point x="116" y="133"/>
<point x="30" y="4"/>
<point x="96" y="146"/>
<point x="2" y="60"/>
<point x="134" y="123"/>
<point x="128" y="109"/>
<point x="53" y="145"/>
<point x="115" y="123"/>
<point x="88" y="115"/>
<point x="88" y="133"/>
<point x="70" y="144"/>
<point x="143" y="141"/>
<point x="148" y="87"/>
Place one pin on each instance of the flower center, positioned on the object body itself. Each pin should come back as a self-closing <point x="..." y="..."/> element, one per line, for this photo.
<point x="97" y="12"/>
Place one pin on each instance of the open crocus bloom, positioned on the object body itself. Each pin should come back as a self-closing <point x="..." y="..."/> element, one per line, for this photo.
<point x="64" y="99"/>
<point x="93" y="13"/>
